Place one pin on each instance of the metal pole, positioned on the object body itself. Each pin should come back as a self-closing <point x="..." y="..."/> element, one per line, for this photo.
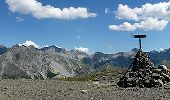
<point x="140" y="46"/>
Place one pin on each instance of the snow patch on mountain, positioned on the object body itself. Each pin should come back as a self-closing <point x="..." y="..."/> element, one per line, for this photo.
<point x="29" y="43"/>
<point x="82" y="49"/>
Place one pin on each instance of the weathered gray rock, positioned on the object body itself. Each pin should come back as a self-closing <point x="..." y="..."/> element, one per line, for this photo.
<point x="143" y="73"/>
<point x="49" y="62"/>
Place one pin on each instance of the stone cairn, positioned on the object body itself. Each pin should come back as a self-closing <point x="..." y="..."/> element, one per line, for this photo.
<point x="142" y="73"/>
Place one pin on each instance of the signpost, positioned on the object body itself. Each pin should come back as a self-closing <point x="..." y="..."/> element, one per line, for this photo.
<point x="139" y="37"/>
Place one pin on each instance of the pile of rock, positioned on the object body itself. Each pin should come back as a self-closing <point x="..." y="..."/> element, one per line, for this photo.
<point x="143" y="73"/>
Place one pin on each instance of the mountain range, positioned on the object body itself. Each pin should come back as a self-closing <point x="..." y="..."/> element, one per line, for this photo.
<point x="23" y="61"/>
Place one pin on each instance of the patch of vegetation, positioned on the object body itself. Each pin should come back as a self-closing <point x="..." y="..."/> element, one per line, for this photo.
<point x="110" y="72"/>
<point x="50" y="74"/>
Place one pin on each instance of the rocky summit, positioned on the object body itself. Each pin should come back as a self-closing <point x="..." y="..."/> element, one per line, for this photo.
<point x="143" y="73"/>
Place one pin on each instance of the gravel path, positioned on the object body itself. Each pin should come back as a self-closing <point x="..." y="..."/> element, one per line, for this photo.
<point x="63" y="90"/>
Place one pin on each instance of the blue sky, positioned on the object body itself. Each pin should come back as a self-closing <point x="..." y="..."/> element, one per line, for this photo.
<point x="89" y="30"/>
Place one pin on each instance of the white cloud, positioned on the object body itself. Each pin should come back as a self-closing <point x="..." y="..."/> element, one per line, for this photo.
<point x="37" y="10"/>
<point x="148" y="24"/>
<point x="147" y="17"/>
<point x="123" y="27"/>
<point x="159" y="10"/>
<point x="107" y="10"/>
<point x="124" y="12"/>
<point x="82" y="49"/>
<point x="29" y="43"/>
<point x="152" y="24"/>
<point x="19" y="19"/>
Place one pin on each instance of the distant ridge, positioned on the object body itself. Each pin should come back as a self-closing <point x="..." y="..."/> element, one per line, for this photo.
<point x="22" y="61"/>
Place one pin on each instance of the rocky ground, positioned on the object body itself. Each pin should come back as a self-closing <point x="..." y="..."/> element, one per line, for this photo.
<point x="76" y="90"/>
